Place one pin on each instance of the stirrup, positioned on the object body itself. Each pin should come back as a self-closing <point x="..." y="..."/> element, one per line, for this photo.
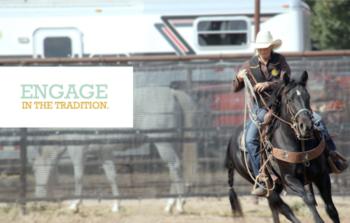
<point x="260" y="185"/>
<point x="259" y="189"/>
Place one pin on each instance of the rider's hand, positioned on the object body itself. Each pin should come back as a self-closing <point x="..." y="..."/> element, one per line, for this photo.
<point x="241" y="74"/>
<point x="260" y="87"/>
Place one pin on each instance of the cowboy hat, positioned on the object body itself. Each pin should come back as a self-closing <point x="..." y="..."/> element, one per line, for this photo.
<point x="264" y="40"/>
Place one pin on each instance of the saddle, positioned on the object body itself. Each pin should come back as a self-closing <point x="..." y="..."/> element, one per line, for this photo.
<point x="240" y="142"/>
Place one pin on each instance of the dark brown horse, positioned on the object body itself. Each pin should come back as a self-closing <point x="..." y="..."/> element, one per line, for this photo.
<point x="292" y="135"/>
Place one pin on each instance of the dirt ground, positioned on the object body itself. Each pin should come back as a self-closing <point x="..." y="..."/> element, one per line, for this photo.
<point x="197" y="210"/>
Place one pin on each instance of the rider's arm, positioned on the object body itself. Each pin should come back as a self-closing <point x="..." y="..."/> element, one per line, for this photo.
<point x="238" y="82"/>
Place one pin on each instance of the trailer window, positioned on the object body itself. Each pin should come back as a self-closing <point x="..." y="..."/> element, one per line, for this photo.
<point x="57" y="47"/>
<point x="222" y="33"/>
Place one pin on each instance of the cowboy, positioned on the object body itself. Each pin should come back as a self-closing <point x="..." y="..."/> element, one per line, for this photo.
<point x="265" y="70"/>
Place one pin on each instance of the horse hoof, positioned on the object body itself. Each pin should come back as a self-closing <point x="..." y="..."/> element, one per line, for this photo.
<point x="115" y="208"/>
<point x="73" y="210"/>
<point x="168" y="209"/>
<point x="170" y="205"/>
<point x="180" y="206"/>
<point x="74" y="206"/>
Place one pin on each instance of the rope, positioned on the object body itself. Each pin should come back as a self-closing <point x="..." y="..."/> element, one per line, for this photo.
<point x="266" y="181"/>
<point x="248" y="87"/>
<point x="250" y="99"/>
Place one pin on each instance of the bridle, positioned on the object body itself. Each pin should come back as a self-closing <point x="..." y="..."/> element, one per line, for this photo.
<point x="299" y="112"/>
<point x="294" y="123"/>
<point x="294" y="117"/>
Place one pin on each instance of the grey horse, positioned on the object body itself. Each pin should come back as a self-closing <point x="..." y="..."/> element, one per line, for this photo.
<point x="154" y="108"/>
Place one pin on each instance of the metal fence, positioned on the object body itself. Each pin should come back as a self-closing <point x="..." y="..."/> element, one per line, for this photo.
<point x="37" y="164"/>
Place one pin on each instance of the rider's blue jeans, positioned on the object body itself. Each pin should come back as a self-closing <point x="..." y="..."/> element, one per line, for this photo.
<point x="252" y="141"/>
<point x="252" y="137"/>
<point x="323" y="129"/>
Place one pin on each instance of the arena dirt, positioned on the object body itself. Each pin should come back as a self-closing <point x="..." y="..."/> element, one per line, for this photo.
<point x="197" y="210"/>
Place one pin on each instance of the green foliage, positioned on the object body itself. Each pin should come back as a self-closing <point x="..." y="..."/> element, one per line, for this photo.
<point x="330" y="23"/>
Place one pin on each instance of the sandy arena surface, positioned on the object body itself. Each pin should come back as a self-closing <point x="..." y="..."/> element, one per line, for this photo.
<point x="197" y="210"/>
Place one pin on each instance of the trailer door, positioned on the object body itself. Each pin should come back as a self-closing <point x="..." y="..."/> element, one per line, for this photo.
<point x="57" y="42"/>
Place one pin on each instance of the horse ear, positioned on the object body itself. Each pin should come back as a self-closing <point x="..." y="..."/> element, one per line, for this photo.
<point x="304" y="78"/>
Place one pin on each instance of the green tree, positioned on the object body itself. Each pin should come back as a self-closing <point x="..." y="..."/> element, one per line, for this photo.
<point x="330" y="24"/>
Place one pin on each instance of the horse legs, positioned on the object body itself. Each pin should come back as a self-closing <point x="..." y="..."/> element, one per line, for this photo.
<point x="275" y="216"/>
<point x="307" y="196"/>
<point x="172" y="201"/>
<point x="76" y="154"/>
<point x="324" y="186"/>
<point x="111" y="174"/>
<point x="236" y="207"/>
<point x="168" y="155"/>
<point x="43" y="166"/>
<point x="42" y="171"/>
<point x="277" y="205"/>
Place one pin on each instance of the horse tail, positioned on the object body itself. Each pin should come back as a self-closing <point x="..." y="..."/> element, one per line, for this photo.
<point x="229" y="163"/>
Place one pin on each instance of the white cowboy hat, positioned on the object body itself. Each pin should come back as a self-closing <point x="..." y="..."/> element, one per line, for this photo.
<point x="264" y="40"/>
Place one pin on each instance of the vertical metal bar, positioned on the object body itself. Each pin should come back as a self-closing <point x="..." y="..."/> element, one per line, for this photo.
<point x="189" y="80"/>
<point x="189" y="149"/>
<point x="257" y="17"/>
<point x="23" y="176"/>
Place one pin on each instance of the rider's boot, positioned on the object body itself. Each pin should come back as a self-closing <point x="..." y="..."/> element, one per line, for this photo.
<point x="260" y="187"/>
<point x="337" y="162"/>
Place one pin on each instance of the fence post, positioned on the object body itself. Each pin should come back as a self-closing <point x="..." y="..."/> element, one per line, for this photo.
<point x="23" y="176"/>
<point x="189" y="149"/>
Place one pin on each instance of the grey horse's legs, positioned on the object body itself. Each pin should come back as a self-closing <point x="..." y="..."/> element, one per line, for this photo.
<point x="43" y="166"/>
<point x="111" y="174"/>
<point x="168" y="155"/>
<point x="76" y="153"/>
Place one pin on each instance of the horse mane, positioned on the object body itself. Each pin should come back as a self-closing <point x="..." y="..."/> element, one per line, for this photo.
<point x="274" y="98"/>
<point x="282" y="88"/>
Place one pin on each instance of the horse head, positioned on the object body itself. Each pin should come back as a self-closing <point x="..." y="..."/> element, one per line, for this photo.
<point x="295" y="105"/>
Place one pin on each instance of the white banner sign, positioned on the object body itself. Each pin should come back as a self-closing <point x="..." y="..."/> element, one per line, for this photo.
<point x="79" y="97"/>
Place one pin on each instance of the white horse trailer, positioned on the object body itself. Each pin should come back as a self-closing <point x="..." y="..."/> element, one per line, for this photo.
<point x="41" y="29"/>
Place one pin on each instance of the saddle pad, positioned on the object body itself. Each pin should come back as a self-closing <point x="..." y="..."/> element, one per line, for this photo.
<point x="240" y="141"/>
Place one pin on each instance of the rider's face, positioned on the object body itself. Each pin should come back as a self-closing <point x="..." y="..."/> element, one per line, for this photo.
<point x="265" y="53"/>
